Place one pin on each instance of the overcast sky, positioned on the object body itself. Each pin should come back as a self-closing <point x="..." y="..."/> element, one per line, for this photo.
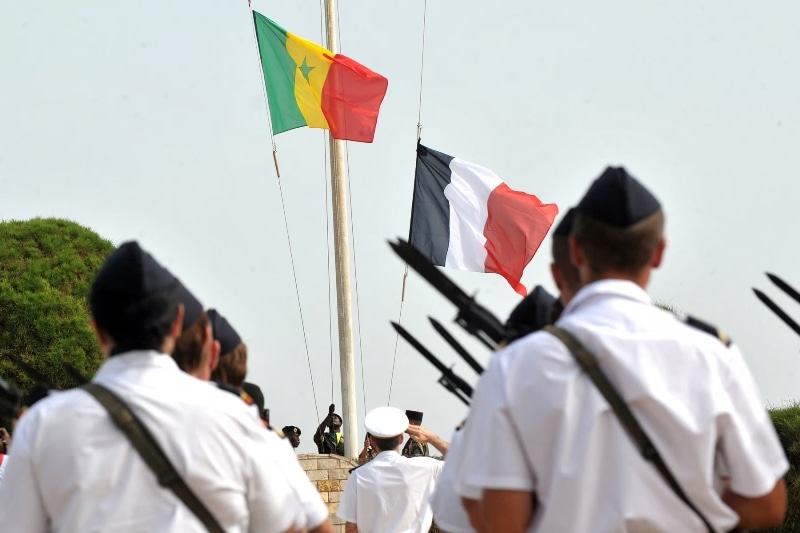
<point x="146" y="120"/>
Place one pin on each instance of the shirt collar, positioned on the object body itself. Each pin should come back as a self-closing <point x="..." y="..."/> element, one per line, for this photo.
<point x="388" y="454"/>
<point x="136" y="358"/>
<point x="615" y="288"/>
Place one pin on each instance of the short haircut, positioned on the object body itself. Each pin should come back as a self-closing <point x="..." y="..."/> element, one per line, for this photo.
<point x="563" y="261"/>
<point x="188" y="352"/>
<point x="232" y="367"/>
<point x="140" y="325"/>
<point x="389" y="443"/>
<point x="619" y="249"/>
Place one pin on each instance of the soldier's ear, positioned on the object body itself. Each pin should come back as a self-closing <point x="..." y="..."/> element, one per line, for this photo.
<point x="576" y="252"/>
<point x="658" y="256"/>
<point x="214" y="360"/>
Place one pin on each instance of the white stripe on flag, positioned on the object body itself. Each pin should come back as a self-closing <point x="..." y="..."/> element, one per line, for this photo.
<point x="468" y="194"/>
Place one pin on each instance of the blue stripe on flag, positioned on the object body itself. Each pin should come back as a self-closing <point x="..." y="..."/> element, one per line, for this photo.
<point x="430" y="211"/>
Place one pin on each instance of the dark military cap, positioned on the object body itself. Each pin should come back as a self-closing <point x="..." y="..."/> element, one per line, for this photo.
<point x="255" y="393"/>
<point x="618" y="199"/>
<point x="414" y="415"/>
<point x="223" y="332"/>
<point x="291" y="430"/>
<point x="564" y="227"/>
<point x="530" y="314"/>
<point x="129" y="276"/>
<point x="192" y="308"/>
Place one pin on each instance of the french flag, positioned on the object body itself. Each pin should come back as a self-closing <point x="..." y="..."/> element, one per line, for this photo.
<point x="464" y="217"/>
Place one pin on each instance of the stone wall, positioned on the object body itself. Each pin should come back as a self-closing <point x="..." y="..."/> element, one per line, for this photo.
<point x="329" y="474"/>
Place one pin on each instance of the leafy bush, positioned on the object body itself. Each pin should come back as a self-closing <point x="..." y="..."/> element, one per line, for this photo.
<point x="46" y="268"/>
<point x="787" y="424"/>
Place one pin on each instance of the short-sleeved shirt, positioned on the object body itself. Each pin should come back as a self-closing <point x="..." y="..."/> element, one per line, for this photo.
<point x="315" y="510"/>
<point x="73" y="470"/>
<point x="693" y="395"/>
<point x="391" y="494"/>
<point x="448" y="512"/>
<point x="331" y="443"/>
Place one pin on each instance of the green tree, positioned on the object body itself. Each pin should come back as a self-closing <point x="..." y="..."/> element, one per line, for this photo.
<point x="46" y="267"/>
<point x="787" y="425"/>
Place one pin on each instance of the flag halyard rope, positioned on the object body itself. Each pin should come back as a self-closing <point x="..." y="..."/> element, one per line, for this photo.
<point x="419" y="137"/>
<point x="283" y="208"/>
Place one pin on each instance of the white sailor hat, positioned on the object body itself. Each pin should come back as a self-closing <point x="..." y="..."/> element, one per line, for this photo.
<point x="386" y="422"/>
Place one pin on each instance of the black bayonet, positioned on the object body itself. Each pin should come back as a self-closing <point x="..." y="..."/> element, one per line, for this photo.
<point x="465" y="355"/>
<point x="778" y="311"/>
<point x="472" y="316"/>
<point x="785" y="287"/>
<point x="452" y="378"/>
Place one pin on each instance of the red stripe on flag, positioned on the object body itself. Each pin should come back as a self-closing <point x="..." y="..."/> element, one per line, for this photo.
<point x="515" y="228"/>
<point x="351" y="99"/>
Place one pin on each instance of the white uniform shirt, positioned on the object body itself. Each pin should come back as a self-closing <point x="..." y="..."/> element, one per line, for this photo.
<point x="448" y="513"/>
<point x="74" y="470"/>
<point x="391" y="494"/>
<point x="693" y="396"/>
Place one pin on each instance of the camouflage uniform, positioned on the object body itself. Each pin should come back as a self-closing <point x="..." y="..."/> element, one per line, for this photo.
<point x="329" y="444"/>
<point x="413" y="448"/>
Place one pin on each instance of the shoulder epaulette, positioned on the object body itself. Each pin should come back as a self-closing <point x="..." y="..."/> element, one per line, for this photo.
<point x="706" y="327"/>
<point x="355" y="468"/>
<point x="278" y="432"/>
<point x="227" y="388"/>
<point x="246" y="398"/>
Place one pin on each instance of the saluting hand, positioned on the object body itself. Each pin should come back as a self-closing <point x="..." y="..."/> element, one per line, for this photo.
<point x="419" y="434"/>
<point x="5" y="440"/>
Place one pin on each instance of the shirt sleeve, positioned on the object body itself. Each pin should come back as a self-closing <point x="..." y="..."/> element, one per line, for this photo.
<point x="347" y="507"/>
<point x="273" y="503"/>
<point x="315" y="510"/>
<point x="750" y="447"/>
<point x="492" y="445"/>
<point x="21" y="505"/>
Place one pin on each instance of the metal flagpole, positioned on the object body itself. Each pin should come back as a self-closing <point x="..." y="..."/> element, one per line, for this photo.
<point x="341" y="243"/>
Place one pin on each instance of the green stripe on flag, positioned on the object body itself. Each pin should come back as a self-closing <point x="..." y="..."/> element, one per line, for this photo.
<point x="279" y="72"/>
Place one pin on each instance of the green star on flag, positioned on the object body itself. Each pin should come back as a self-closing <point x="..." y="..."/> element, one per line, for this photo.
<point x="305" y="69"/>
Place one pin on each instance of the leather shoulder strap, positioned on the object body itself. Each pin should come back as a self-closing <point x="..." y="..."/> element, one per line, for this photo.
<point x="589" y="364"/>
<point x="151" y="453"/>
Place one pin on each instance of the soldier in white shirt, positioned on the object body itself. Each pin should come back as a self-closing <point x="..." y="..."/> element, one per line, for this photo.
<point x="566" y="462"/>
<point x="73" y="470"/>
<point x="207" y="335"/>
<point x="537" y="310"/>
<point x="390" y="493"/>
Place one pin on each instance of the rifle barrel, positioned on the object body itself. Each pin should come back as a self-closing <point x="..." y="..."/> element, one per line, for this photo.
<point x="472" y="316"/>
<point x="428" y="270"/>
<point x="30" y="371"/>
<point x="75" y="374"/>
<point x="447" y="384"/>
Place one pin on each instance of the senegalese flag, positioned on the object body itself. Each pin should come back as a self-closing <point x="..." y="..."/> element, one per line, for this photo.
<point x="308" y="85"/>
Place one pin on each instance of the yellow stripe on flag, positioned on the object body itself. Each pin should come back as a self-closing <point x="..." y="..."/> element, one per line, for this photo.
<point x="309" y="78"/>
